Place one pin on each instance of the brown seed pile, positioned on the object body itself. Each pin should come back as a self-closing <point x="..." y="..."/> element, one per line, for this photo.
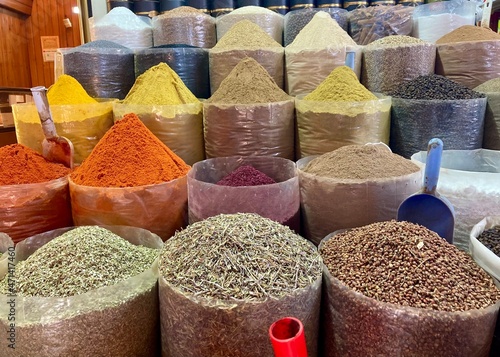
<point x="360" y="162"/>
<point x="469" y="33"/>
<point x="407" y="264"/>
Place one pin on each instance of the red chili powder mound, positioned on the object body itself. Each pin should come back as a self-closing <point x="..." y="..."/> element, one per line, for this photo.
<point x="246" y="175"/>
<point x="21" y="165"/>
<point x="129" y="155"/>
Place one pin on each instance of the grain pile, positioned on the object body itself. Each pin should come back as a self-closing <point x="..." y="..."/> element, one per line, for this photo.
<point x="246" y="34"/>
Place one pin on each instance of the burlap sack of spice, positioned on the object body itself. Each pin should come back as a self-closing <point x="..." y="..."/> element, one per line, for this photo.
<point x="469" y="63"/>
<point x="470" y="180"/>
<point x="114" y="321"/>
<point x="326" y="126"/>
<point x="180" y="127"/>
<point x="83" y="124"/>
<point x="483" y="256"/>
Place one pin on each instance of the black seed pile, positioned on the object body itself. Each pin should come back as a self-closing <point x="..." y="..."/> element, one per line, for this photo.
<point x="491" y="239"/>
<point x="434" y="87"/>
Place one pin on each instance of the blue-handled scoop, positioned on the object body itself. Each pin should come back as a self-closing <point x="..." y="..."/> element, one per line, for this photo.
<point x="428" y="208"/>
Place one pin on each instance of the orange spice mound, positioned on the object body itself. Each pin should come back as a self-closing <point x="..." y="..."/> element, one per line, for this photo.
<point x="129" y="155"/>
<point x="21" y="165"/>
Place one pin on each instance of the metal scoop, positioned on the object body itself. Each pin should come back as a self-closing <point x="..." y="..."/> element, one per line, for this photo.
<point x="428" y="208"/>
<point x="54" y="148"/>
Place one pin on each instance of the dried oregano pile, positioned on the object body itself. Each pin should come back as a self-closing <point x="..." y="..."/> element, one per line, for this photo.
<point x="80" y="260"/>
<point x="239" y="256"/>
<point x="406" y="264"/>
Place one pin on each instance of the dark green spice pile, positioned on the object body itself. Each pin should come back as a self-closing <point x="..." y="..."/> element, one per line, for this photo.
<point x="491" y="239"/>
<point x="434" y="87"/>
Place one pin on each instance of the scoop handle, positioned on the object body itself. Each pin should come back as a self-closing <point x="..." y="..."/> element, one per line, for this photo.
<point x="42" y="106"/>
<point x="432" y="165"/>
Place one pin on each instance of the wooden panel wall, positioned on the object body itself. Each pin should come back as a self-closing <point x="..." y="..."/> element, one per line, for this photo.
<point x="22" y="6"/>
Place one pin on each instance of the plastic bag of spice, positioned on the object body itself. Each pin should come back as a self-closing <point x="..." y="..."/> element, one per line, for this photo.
<point x="83" y="124"/>
<point x="249" y="129"/>
<point x="483" y="256"/>
<point x="279" y="201"/>
<point x="113" y="321"/>
<point x="326" y="126"/>
<point x="470" y="180"/>
<point x="29" y="209"/>
<point x="180" y="127"/>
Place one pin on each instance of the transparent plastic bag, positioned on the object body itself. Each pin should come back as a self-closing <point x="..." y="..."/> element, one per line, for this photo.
<point x="470" y="180"/>
<point x="326" y="126"/>
<point x="306" y="69"/>
<point x="469" y="63"/>
<point x="112" y="321"/>
<point x="223" y="62"/>
<point x="160" y="208"/>
<point x="484" y="257"/>
<point x="249" y="129"/>
<point x="180" y="127"/>
<point x="279" y="201"/>
<point x="381" y="74"/>
<point x="83" y="124"/>
<point x="236" y="328"/>
<point x="329" y="204"/>
<point x="30" y="209"/>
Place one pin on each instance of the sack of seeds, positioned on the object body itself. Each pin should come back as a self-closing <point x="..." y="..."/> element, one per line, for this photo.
<point x="180" y="127"/>
<point x="470" y="180"/>
<point x="230" y="296"/>
<point x="491" y="138"/>
<point x="82" y="291"/>
<point x="398" y="289"/>
<point x="353" y="186"/>
<point x="484" y="245"/>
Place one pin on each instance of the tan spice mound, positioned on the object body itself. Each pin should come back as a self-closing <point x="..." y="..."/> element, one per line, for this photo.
<point x="246" y="34"/>
<point x="469" y="33"/>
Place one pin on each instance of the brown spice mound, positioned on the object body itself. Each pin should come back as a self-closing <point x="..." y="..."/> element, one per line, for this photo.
<point x="360" y="162"/>
<point x="248" y="83"/>
<point x="129" y="155"/>
<point x="407" y="264"/>
<point x="21" y="165"/>
<point x="469" y="33"/>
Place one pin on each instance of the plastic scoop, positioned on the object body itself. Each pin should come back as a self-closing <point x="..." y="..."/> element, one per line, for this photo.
<point x="287" y="338"/>
<point x="428" y="208"/>
<point x="54" y="148"/>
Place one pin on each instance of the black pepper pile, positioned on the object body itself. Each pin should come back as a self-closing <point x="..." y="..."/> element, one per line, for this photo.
<point x="407" y="264"/>
<point x="434" y="87"/>
<point x="491" y="239"/>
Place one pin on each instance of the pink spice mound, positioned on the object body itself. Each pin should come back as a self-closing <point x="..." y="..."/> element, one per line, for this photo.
<point x="245" y="175"/>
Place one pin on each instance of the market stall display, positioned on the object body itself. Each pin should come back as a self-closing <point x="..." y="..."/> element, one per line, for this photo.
<point x="491" y="137"/>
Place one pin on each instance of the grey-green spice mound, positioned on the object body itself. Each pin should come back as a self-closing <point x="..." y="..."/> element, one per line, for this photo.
<point x="239" y="256"/>
<point x="80" y="260"/>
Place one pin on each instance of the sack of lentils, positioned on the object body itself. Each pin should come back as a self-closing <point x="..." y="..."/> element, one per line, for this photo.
<point x="340" y="111"/>
<point x="226" y="279"/>
<point x="319" y="48"/>
<point x="353" y="186"/>
<point x="270" y="21"/>
<point x="249" y="115"/>
<point x="246" y="39"/>
<point x="168" y="108"/>
<point x="398" y="289"/>
<point x="268" y="186"/>
<point x="184" y="25"/>
<point x="395" y="59"/>
<point x="435" y="106"/>
<point x="469" y="55"/>
<point x="84" y="291"/>
<point x="470" y="180"/>
<point x="34" y="195"/>
<point x="484" y="245"/>
<point x="491" y="137"/>
<point x="131" y="178"/>
<point x="104" y="68"/>
<point x="77" y="116"/>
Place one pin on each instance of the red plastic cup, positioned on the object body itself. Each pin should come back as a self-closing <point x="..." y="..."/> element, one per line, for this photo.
<point x="287" y="338"/>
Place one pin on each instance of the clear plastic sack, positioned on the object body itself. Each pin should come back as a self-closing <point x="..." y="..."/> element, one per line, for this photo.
<point x="249" y="129"/>
<point x="459" y="123"/>
<point x="326" y="126"/>
<point x="222" y="63"/>
<point x="469" y="63"/>
<point x="30" y="209"/>
<point x="83" y="124"/>
<point x="470" y="180"/>
<point x="484" y="257"/>
<point x="112" y="321"/>
<point x="160" y="208"/>
<point x="180" y="127"/>
<point x="279" y="201"/>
